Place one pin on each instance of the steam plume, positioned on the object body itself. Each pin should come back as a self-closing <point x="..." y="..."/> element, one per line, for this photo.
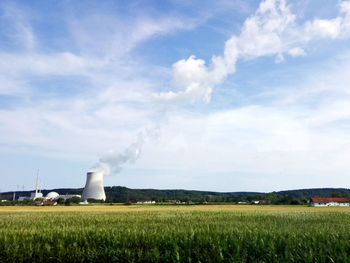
<point x="271" y="31"/>
<point x="112" y="162"/>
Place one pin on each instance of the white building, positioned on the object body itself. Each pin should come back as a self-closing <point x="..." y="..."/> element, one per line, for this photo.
<point x="52" y="196"/>
<point x="334" y="201"/>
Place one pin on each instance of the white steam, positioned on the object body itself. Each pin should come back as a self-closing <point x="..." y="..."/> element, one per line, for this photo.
<point x="112" y="162"/>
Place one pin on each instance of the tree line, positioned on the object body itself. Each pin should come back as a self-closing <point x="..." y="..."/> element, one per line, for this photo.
<point x="119" y="194"/>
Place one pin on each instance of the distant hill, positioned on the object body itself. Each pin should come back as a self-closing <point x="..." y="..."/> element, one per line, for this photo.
<point x="316" y="192"/>
<point x="123" y="194"/>
<point x="119" y="193"/>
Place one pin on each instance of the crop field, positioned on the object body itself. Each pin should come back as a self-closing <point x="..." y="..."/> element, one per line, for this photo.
<point x="204" y="233"/>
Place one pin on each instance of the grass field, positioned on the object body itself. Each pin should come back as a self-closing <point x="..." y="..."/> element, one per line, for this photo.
<point x="174" y="234"/>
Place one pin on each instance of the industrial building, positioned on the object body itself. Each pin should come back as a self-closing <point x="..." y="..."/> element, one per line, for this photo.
<point x="51" y="196"/>
<point x="93" y="189"/>
<point x="35" y="195"/>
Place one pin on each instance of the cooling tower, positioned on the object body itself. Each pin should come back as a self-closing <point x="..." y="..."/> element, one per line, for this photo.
<point x="94" y="187"/>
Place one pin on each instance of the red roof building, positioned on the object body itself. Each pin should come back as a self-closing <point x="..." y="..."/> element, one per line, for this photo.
<point x="330" y="201"/>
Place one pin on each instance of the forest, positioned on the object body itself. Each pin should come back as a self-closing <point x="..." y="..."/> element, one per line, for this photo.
<point x="120" y="194"/>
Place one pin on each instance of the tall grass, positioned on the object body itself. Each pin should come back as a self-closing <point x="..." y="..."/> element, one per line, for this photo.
<point x="228" y="234"/>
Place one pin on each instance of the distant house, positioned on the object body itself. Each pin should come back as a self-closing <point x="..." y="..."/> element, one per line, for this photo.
<point x="332" y="201"/>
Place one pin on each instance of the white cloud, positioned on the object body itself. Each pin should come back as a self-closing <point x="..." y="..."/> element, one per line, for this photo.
<point x="318" y="85"/>
<point x="13" y="87"/>
<point x="147" y="27"/>
<point x="283" y="144"/>
<point x="271" y="31"/>
<point x="330" y="28"/>
<point x="296" y="52"/>
<point x="97" y="49"/>
<point x="64" y="63"/>
<point x="192" y="74"/>
<point x="119" y="35"/>
<point x="323" y="28"/>
<point x="79" y="129"/>
<point x="20" y="68"/>
<point x="263" y="33"/>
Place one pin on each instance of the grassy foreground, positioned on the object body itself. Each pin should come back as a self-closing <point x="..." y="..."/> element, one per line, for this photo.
<point x="174" y="234"/>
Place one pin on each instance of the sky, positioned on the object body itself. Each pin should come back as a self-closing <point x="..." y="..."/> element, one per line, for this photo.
<point x="207" y="95"/>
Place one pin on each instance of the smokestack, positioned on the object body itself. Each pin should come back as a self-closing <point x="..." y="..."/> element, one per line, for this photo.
<point x="94" y="187"/>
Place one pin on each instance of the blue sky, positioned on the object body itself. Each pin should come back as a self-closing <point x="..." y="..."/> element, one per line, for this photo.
<point x="208" y="95"/>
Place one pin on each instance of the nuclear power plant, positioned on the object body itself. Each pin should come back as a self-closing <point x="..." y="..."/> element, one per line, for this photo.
<point x="94" y="187"/>
<point x="93" y="190"/>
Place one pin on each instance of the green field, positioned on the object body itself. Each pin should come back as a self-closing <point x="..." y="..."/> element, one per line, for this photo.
<point x="174" y="234"/>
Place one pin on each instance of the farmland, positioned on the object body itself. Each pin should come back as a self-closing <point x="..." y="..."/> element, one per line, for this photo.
<point x="207" y="233"/>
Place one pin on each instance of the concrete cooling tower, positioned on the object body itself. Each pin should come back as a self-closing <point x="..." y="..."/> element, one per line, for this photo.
<point x="94" y="187"/>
